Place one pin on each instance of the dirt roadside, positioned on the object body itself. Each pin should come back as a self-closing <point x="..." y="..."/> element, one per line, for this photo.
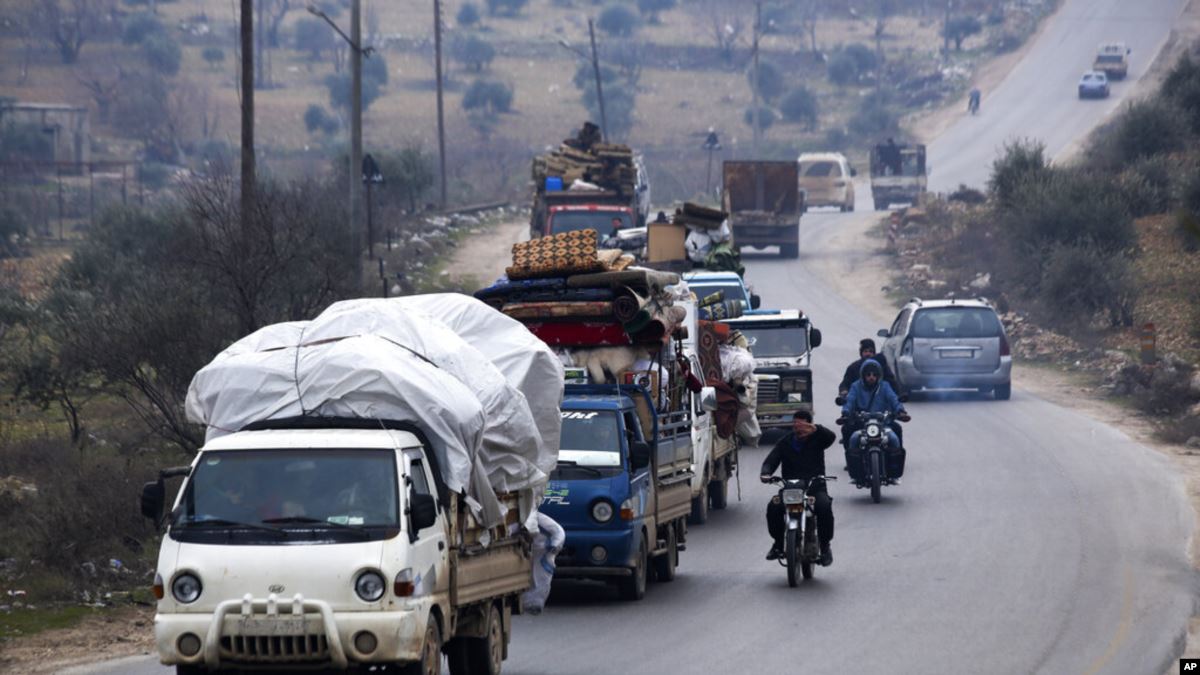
<point x="481" y="258"/>
<point x="109" y="634"/>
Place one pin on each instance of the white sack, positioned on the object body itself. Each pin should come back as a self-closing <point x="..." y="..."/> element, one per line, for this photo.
<point x="737" y="364"/>
<point x="698" y="245"/>
<point x="547" y="542"/>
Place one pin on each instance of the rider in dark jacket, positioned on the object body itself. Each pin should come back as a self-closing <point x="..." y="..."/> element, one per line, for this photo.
<point x="866" y="350"/>
<point x="802" y="454"/>
<point x="871" y="394"/>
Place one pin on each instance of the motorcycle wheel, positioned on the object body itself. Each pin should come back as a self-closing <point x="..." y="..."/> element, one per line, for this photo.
<point x="792" y="555"/>
<point x="806" y="565"/>
<point x="876" y="476"/>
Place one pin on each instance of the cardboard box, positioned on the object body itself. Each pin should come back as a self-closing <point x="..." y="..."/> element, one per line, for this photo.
<point x="665" y="241"/>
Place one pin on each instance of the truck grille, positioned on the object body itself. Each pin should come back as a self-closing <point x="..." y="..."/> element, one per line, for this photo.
<point x="310" y="648"/>
<point x="768" y="391"/>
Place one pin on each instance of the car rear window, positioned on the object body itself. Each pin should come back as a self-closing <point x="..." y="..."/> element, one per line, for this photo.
<point x="822" y="169"/>
<point x="955" y="322"/>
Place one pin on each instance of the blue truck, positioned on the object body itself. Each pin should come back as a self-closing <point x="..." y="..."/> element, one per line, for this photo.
<point x="622" y="486"/>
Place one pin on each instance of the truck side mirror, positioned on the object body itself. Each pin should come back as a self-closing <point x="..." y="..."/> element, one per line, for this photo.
<point x="814" y="337"/>
<point x="853" y="172"/>
<point x="422" y="511"/>
<point x="708" y="398"/>
<point x="639" y="454"/>
<point x="883" y="332"/>
<point x="153" y="495"/>
<point x="755" y="301"/>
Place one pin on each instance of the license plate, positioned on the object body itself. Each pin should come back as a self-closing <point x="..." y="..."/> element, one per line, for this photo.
<point x="955" y="353"/>
<point x="272" y="626"/>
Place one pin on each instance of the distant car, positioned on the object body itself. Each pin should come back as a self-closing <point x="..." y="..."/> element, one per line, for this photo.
<point x="1093" y="84"/>
<point x="825" y="180"/>
<point x="949" y="344"/>
<point x="704" y="283"/>
<point x="1112" y="60"/>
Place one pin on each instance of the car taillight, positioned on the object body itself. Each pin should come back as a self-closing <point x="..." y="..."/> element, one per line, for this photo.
<point x="1004" y="350"/>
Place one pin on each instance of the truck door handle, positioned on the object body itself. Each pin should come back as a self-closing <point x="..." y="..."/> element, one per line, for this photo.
<point x="441" y="546"/>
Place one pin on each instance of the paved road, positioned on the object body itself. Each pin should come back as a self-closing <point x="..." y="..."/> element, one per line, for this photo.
<point x="1025" y="539"/>
<point x="1038" y="100"/>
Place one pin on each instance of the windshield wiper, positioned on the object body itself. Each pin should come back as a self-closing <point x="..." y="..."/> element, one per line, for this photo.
<point x="585" y="467"/>
<point x="221" y="522"/>
<point x="317" y="521"/>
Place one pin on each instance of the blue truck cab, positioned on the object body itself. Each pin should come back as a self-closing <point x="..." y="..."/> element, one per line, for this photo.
<point x="622" y="487"/>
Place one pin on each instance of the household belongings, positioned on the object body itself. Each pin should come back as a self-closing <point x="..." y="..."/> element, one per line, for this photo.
<point x="585" y="159"/>
<point x="482" y="389"/>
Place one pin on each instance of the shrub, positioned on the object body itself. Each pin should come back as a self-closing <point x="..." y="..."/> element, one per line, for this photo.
<point x="13" y="228"/>
<point x="140" y="26"/>
<point x="213" y="56"/>
<point x="1067" y="206"/>
<point x="619" y="20"/>
<point x="1148" y="128"/>
<point x="154" y="175"/>
<point x="505" y="7"/>
<point x="652" y="8"/>
<point x="472" y="52"/>
<point x="1020" y="159"/>
<point x="468" y="15"/>
<point x="849" y="64"/>
<point x="1182" y="87"/>
<point x="960" y="28"/>
<point x="770" y="80"/>
<point x="873" y="117"/>
<point x="316" y="118"/>
<point x="339" y="91"/>
<point x="489" y="96"/>
<point x="1080" y="281"/>
<point x="1169" y="392"/>
<point x="1148" y="185"/>
<point x="375" y="69"/>
<point x="1187" y="221"/>
<point x="163" y="54"/>
<point x="800" y="105"/>
<point x="766" y="117"/>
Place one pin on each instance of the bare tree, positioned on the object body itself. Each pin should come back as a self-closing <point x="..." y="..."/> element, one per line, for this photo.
<point x="277" y="10"/>
<point x="68" y="25"/>
<point x="723" y="20"/>
<point x="810" y="13"/>
<point x="104" y="83"/>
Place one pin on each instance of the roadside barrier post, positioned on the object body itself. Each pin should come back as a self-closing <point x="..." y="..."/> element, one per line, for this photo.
<point x="1149" y="340"/>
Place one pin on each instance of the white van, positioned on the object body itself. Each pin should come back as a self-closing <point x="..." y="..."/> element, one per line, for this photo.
<point x="825" y="180"/>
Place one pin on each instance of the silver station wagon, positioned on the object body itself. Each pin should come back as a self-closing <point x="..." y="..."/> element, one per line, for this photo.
<point x="949" y="344"/>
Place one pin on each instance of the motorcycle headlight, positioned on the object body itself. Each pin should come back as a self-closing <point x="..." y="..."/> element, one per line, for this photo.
<point x="793" y="496"/>
<point x="186" y="588"/>
<point x="602" y="511"/>
<point x="873" y="431"/>
<point x="370" y="586"/>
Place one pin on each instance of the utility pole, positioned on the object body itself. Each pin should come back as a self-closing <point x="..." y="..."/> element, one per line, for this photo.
<point x="356" y="54"/>
<point x="441" y="113"/>
<point x="759" y="187"/>
<point x="599" y="88"/>
<point x="248" y="178"/>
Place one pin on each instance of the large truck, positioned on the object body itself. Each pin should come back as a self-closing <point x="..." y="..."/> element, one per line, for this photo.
<point x="764" y="204"/>
<point x="898" y="174"/>
<point x="330" y="544"/>
<point x="622" y="487"/>
<point x="781" y="342"/>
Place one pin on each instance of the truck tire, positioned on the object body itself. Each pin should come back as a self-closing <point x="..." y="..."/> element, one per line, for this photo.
<point x="699" y="514"/>
<point x="431" y="653"/>
<point x="478" y="656"/>
<point x="665" y="564"/>
<point x="718" y="493"/>
<point x="633" y="587"/>
<point x="789" y="250"/>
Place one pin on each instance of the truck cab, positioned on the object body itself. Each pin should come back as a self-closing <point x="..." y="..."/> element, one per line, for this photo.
<point x="782" y="342"/>
<point x="606" y="219"/>
<point x="621" y="488"/>
<point x="301" y="548"/>
<point x="704" y="283"/>
<point x="898" y="174"/>
<point x="1112" y="59"/>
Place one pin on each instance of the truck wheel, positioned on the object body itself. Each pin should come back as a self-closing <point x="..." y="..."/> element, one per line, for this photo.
<point x="633" y="587"/>
<point x="431" y="653"/>
<point x="478" y="656"/>
<point x="789" y="250"/>
<point x="665" y="564"/>
<point x="699" y="514"/>
<point x="718" y="491"/>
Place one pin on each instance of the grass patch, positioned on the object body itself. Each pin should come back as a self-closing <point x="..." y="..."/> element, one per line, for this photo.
<point x="22" y="621"/>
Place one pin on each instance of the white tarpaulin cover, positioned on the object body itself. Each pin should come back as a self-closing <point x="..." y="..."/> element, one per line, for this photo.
<point x="380" y="359"/>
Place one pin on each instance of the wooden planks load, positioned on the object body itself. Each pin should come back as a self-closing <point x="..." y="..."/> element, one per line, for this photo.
<point x="608" y="165"/>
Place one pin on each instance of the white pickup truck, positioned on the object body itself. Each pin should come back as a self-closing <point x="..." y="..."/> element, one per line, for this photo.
<point x="330" y="543"/>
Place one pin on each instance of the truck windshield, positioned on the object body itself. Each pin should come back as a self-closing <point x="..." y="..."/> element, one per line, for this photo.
<point x="733" y="290"/>
<point x="293" y="496"/>
<point x="1108" y="58"/>
<point x="776" y="340"/>
<point x="590" y="445"/>
<point x="606" y="223"/>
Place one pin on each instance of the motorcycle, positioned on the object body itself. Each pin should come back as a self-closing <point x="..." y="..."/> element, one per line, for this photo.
<point x="873" y="440"/>
<point x="801" y="548"/>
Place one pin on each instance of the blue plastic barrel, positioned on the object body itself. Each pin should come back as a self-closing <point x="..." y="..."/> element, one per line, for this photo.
<point x="554" y="184"/>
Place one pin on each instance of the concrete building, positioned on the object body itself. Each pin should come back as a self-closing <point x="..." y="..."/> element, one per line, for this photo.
<point x="66" y="125"/>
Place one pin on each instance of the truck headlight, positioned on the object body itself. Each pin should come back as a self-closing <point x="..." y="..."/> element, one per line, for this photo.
<point x="370" y="585"/>
<point x="186" y="588"/>
<point x="602" y="511"/>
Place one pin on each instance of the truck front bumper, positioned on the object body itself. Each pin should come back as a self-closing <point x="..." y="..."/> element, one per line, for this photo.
<point x="779" y="415"/>
<point x="272" y="634"/>
<point x="580" y="557"/>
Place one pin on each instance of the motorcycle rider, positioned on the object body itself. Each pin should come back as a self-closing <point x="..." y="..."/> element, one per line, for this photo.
<point x="871" y="394"/>
<point x="802" y="454"/>
<point x="866" y="350"/>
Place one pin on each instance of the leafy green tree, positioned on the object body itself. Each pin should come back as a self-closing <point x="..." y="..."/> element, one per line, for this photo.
<point x="766" y="117"/>
<point x="472" y="51"/>
<point x="317" y="119"/>
<point x="490" y="96"/>
<point x="468" y="15"/>
<point x="800" y="105"/>
<point x="961" y="27"/>
<point x="163" y="54"/>
<point x="140" y="26"/>
<point x="771" y="83"/>
<point x="619" y="20"/>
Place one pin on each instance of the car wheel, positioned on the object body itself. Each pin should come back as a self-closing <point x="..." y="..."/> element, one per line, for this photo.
<point x="1003" y="391"/>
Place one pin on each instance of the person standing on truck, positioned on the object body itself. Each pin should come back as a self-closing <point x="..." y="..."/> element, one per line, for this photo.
<point x="802" y="454"/>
